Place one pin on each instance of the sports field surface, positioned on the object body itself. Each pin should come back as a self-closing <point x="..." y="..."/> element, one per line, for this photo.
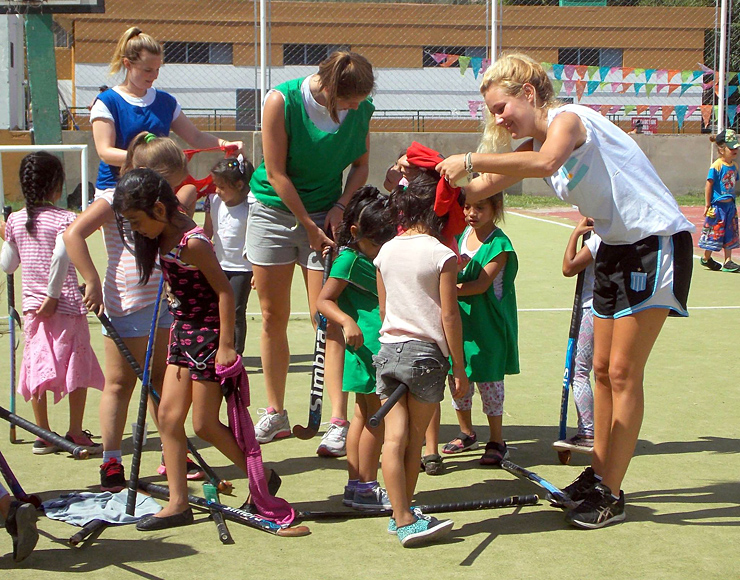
<point x="682" y="489"/>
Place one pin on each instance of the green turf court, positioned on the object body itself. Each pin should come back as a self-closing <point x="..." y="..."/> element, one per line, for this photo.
<point x="683" y="490"/>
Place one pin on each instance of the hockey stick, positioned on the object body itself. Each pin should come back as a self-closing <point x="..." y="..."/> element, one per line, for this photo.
<point x="78" y="451"/>
<point x="230" y="513"/>
<point x="146" y="379"/>
<point x="88" y="533"/>
<point x="317" y="376"/>
<point x="400" y="391"/>
<point x="211" y="494"/>
<point x="556" y="495"/>
<point x="15" y="486"/>
<point x="13" y="317"/>
<point x="501" y="502"/>
<point x="222" y="485"/>
<point x="570" y="354"/>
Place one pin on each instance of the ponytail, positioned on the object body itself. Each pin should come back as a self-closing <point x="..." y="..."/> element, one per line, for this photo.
<point x="344" y="75"/>
<point x="130" y="46"/>
<point x="158" y="153"/>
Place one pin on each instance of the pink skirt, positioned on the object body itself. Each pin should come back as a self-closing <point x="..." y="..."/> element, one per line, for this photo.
<point x="57" y="357"/>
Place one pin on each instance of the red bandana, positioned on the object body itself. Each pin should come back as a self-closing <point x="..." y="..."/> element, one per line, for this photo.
<point x="203" y="186"/>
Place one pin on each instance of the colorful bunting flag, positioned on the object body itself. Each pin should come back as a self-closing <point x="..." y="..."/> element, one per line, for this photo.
<point x="603" y="71"/>
<point x="653" y="110"/>
<point x="639" y="72"/>
<point x="706" y="114"/>
<point x="557" y="70"/>
<point x="450" y="60"/>
<point x="615" y="109"/>
<point x="475" y="64"/>
<point x="672" y="88"/>
<point x="464" y="63"/>
<point x="640" y="109"/>
<point x="680" y="115"/>
<point x="581" y="69"/>
<point x="649" y="88"/>
<point x="731" y="112"/>
<point x="731" y="90"/>
<point x="648" y="73"/>
<point x="628" y="109"/>
<point x="439" y="57"/>
<point x="580" y="87"/>
<point x="569" y="86"/>
<point x="591" y="86"/>
<point x="638" y="86"/>
<point x="604" y="109"/>
<point x="569" y="70"/>
<point x="685" y="87"/>
<point x="667" y="111"/>
<point x="625" y="87"/>
<point x="592" y="70"/>
<point x="556" y="86"/>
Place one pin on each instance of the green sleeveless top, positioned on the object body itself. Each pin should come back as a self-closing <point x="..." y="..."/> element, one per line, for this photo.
<point x="316" y="159"/>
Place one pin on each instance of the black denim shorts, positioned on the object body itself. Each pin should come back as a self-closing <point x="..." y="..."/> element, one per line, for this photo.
<point x="419" y="365"/>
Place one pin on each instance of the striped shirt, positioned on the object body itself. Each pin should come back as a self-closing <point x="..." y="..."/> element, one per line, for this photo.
<point x="122" y="293"/>
<point x="35" y="253"/>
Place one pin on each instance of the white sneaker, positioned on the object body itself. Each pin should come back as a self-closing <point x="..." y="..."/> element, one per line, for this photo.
<point x="334" y="441"/>
<point x="271" y="425"/>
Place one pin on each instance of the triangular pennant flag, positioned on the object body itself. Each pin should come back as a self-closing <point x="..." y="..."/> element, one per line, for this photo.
<point x="602" y="84"/>
<point x="672" y="73"/>
<point x="615" y="109"/>
<point x="661" y="86"/>
<point x="706" y="114"/>
<point x="639" y="72"/>
<point x="604" y="109"/>
<point x="731" y="76"/>
<point x="547" y="66"/>
<point x="592" y="71"/>
<point x="451" y="59"/>
<point x="685" y="87"/>
<point x="581" y="70"/>
<point x="691" y="110"/>
<point x="464" y="62"/>
<point x="695" y="74"/>
<point x="569" y="70"/>
<point x="615" y="71"/>
<point x="731" y="112"/>
<point x="556" y="86"/>
<point x="653" y="110"/>
<point x="716" y="89"/>
<point x="591" y="86"/>
<point x="439" y="57"/>
<point x="667" y="111"/>
<point x="661" y="73"/>
<point x="638" y="86"/>
<point x="616" y="87"/>
<point x="580" y="87"/>
<point x="685" y="74"/>
<point x="672" y="88"/>
<point x="716" y="111"/>
<point x="641" y="109"/>
<point x="649" y="88"/>
<point x="626" y="71"/>
<point x="625" y="87"/>
<point x="557" y="70"/>
<point x="603" y="71"/>
<point x="475" y="64"/>
<point x="569" y="86"/>
<point x="707" y="86"/>
<point x="731" y="90"/>
<point x="680" y="114"/>
<point x="595" y="107"/>
<point x="706" y="69"/>
<point x="485" y="64"/>
<point x="648" y="73"/>
<point x="474" y="107"/>
<point x="628" y="109"/>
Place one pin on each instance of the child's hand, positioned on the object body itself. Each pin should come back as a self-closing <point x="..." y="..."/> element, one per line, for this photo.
<point x="585" y="225"/>
<point x="48" y="307"/>
<point x="93" y="298"/>
<point x="353" y="335"/>
<point x="225" y="356"/>
<point x="2" y="228"/>
<point x="459" y="384"/>
<point x="462" y="262"/>
<point x="233" y="148"/>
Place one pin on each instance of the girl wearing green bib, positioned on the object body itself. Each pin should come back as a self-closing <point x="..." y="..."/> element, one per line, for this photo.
<point x="312" y="130"/>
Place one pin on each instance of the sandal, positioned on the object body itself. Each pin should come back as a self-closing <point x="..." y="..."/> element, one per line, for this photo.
<point x="432" y="464"/>
<point x="467" y="443"/>
<point x="495" y="453"/>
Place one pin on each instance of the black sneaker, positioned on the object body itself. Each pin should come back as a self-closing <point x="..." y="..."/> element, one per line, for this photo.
<point x="711" y="263"/>
<point x="21" y="525"/>
<point x="598" y="509"/>
<point x="111" y="476"/>
<point x="580" y="487"/>
<point x="730" y="266"/>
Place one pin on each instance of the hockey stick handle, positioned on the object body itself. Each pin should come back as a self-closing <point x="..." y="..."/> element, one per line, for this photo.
<point x="575" y="317"/>
<point x="223" y="485"/>
<point x="77" y="451"/>
<point x="499" y="502"/>
<point x="385" y="408"/>
<point x="12" y="317"/>
<point x="223" y="532"/>
<point x="87" y="530"/>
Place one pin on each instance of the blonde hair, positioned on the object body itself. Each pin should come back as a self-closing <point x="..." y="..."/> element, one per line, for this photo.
<point x="130" y="46"/>
<point x="511" y="72"/>
<point x="345" y="75"/>
<point x="158" y="153"/>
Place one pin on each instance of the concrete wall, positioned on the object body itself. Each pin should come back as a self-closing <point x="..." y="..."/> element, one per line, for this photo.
<point x="682" y="161"/>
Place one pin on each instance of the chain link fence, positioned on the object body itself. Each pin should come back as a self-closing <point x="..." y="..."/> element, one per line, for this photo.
<point x="647" y="64"/>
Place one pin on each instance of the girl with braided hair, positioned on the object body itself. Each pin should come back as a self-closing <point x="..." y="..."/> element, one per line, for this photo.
<point x="57" y="356"/>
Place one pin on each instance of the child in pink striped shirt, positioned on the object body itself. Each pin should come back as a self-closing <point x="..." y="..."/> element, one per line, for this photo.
<point x="57" y="357"/>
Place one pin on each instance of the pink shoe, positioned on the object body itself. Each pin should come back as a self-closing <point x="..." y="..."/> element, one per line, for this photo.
<point x="86" y="442"/>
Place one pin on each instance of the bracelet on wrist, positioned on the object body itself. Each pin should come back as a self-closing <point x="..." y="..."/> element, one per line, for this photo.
<point x="339" y="205"/>
<point x="469" y="163"/>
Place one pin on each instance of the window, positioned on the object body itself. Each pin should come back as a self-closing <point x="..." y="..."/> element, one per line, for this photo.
<point x="199" y="52"/>
<point x="62" y="38"/>
<point x="299" y="54"/>
<point x="472" y="51"/>
<point x="590" y="56"/>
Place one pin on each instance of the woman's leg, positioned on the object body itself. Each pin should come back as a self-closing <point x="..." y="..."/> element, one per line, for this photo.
<point x="632" y="339"/>
<point x="177" y="396"/>
<point x="273" y="288"/>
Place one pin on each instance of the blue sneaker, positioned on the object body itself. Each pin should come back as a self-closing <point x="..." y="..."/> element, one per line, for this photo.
<point x="393" y="528"/>
<point x="349" y="495"/>
<point x="374" y="500"/>
<point x="423" y="530"/>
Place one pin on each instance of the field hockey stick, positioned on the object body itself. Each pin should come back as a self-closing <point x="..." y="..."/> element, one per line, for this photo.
<point x="78" y="451"/>
<point x="13" y="317"/>
<point x="211" y="494"/>
<point x="472" y="505"/>
<point x="133" y="481"/>
<point x="88" y="533"/>
<point x="317" y="376"/>
<point x="570" y="353"/>
<point x="15" y="486"/>
<point x="556" y="495"/>
<point x="233" y="514"/>
<point x="400" y="391"/>
<point x="222" y="485"/>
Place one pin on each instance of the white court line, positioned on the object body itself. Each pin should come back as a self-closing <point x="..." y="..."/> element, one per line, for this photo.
<point x="531" y="217"/>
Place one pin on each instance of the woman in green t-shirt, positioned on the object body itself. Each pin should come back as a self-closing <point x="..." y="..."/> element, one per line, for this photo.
<point x="312" y="130"/>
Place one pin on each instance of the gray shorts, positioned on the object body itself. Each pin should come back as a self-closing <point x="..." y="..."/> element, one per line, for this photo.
<point x="419" y="365"/>
<point x="274" y="238"/>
